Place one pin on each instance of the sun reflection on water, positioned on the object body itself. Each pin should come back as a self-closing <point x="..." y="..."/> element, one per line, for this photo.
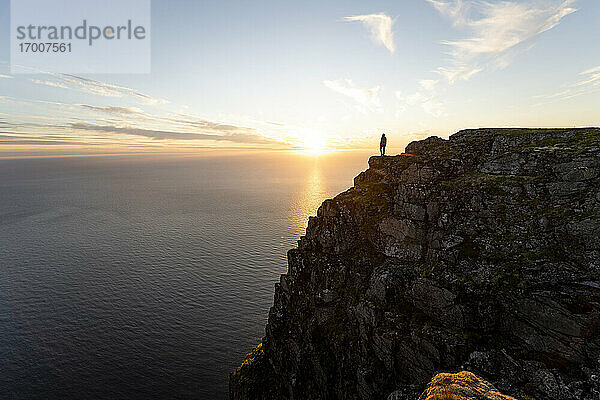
<point x="308" y="200"/>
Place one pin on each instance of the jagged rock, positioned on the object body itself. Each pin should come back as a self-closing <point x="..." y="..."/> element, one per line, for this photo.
<point x="479" y="252"/>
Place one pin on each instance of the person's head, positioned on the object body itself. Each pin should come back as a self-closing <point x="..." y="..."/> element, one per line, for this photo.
<point x="383" y="135"/>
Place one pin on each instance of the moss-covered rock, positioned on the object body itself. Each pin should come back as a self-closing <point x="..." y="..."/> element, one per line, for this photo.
<point x="463" y="385"/>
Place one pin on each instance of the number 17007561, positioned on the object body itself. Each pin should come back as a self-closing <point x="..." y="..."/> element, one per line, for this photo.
<point x="45" y="47"/>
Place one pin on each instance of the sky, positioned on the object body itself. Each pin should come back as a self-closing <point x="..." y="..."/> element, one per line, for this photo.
<point x="314" y="76"/>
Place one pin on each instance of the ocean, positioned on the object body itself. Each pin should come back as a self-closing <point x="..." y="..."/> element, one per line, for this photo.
<point x="146" y="277"/>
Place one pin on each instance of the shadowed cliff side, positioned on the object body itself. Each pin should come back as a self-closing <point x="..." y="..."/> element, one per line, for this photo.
<point x="481" y="252"/>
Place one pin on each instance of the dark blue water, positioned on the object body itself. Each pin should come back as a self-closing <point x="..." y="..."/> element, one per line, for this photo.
<point x="146" y="277"/>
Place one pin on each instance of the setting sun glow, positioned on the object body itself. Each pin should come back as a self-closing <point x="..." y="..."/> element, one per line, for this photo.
<point x="314" y="144"/>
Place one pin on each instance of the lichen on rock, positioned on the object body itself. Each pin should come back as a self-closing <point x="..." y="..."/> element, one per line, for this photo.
<point x="463" y="385"/>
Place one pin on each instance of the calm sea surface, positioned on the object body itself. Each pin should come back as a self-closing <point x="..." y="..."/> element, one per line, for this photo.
<point x="146" y="277"/>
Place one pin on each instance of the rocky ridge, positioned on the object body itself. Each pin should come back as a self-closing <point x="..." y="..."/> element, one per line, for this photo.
<point x="481" y="252"/>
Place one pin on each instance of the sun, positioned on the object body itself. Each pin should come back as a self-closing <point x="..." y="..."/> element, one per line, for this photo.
<point x="314" y="144"/>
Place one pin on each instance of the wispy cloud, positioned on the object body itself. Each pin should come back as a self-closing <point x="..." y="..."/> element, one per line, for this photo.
<point x="593" y="77"/>
<point x="428" y="102"/>
<point x="49" y="83"/>
<point x="238" y="137"/>
<point x="119" y="119"/>
<point x="380" y="25"/>
<point x="127" y="125"/>
<point x="456" y="10"/>
<point x="114" y="110"/>
<point x="108" y="89"/>
<point x="428" y="84"/>
<point x="589" y="83"/>
<point x="205" y="125"/>
<point x="495" y="31"/>
<point x="87" y="85"/>
<point x="32" y="141"/>
<point x="366" y="98"/>
<point x="460" y="71"/>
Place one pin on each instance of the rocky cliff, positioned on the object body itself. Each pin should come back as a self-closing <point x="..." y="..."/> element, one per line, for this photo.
<point x="481" y="252"/>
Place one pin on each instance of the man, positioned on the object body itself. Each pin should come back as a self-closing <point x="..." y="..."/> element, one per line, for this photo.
<point x="382" y="144"/>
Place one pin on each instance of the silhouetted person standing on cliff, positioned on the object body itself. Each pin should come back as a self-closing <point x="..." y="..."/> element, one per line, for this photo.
<point x="382" y="144"/>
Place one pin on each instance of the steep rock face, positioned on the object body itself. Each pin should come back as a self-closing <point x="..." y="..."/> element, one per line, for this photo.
<point x="481" y="252"/>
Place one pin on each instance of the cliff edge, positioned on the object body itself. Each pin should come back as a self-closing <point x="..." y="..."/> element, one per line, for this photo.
<point x="481" y="252"/>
